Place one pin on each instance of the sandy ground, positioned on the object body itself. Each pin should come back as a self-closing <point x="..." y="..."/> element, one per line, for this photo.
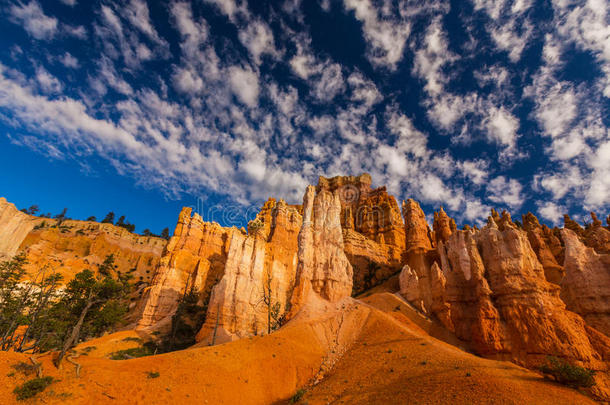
<point x="358" y="355"/>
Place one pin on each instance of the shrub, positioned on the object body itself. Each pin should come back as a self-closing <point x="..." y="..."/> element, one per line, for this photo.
<point x="31" y="388"/>
<point x="131" y="353"/>
<point x="568" y="374"/>
<point x="152" y="374"/>
<point x="132" y="339"/>
<point x="298" y="396"/>
<point x="24" y="368"/>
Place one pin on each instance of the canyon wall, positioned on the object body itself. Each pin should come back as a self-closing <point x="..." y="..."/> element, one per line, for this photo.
<point x="489" y="287"/>
<point x="259" y="276"/>
<point x="14" y="227"/>
<point x="76" y="245"/>
<point x="373" y="232"/>
<point x="324" y="273"/>
<point x="194" y="258"/>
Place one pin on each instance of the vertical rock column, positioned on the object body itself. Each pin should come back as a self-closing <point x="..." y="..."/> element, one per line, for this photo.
<point x="323" y="271"/>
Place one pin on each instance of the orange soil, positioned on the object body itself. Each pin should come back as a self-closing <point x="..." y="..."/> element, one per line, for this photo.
<point x="394" y="361"/>
<point x="382" y="363"/>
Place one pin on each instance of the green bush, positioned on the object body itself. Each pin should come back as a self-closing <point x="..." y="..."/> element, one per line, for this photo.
<point x="33" y="387"/>
<point x="568" y="374"/>
<point x="298" y="396"/>
<point x="126" y="354"/>
<point x="152" y="374"/>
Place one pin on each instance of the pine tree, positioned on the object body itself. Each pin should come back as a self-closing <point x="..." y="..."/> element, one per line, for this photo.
<point x="109" y="219"/>
<point x="165" y="233"/>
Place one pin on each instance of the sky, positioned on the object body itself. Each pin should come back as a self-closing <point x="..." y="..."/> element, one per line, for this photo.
<point x="141" y="107"/>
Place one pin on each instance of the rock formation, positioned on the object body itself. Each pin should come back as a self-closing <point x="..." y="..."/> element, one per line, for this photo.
<point x="373" y="232"/>
<point x="194" y="258"/>
<point x="586" y="286"/>
<point x="259" y="275"/>
<point x="76" y="245"/>
<point x="596" y="236"/>
<point x="547" y="246"/>
<point x="492" y="292"/>
<point x="323" y="271"/>
<point x="443" y="226"/>
<point x="14" y="227"/>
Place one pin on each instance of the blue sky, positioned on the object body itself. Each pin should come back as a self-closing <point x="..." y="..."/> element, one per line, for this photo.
<point x="141" y="107"/>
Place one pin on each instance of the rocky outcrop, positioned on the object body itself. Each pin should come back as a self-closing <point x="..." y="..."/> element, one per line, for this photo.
<point x="259" y="275"/>
<point x="547" y="246"/>
<point x="492" y="292"/>
<point x="536" y="321"/>
<point x="443" y="226"/>
<point x="596" y="236"/>
<point x="373" y="232"/>
<point x="194" y="258"/>
<point x="586" y="286"/>
<point x="14" y="227"/>
<point x="76" y="245"/>
<point x="323" y="270"/>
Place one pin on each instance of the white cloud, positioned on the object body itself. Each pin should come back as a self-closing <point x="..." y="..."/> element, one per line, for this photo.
<point x="69" y="61"/>
<point x="505" y="191"/>
<point x="109" y="76"/>
<point x="432" y="57"/>
<point x="476" y="210"/>
<point x="598" y="193"/>
<point x="330" y="83"/>
<point x="257" y="37"/>
<point x="244" y="83"/>
<point x="502" y="127"/>
<point x="70" y="3"/>
<point x="34" y="21"/>
<point x="508" y="24"/>
<point x="187" y="81"/>
<point x="551" y="211"/>
<point x="385" y="32"/>
<point x="48" y="83"/>
<point x="474" y="171"/>
<point x="193" y="33"/>
<point x="585" y="23"/>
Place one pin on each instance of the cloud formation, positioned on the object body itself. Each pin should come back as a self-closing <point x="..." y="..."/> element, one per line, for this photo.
<point x="245" y="100"/>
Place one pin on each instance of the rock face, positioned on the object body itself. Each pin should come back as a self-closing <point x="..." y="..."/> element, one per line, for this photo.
<point x="76" y="245"/>
<point x="323" y="270"/>
<point x="373" y="232"/>
<point x="492" y="292"/>
<point x="14" y="227"/>
<point x="586" y="286"/>
<point x="195" y="258"/>
<point x="547" y="246"/>
<point x="596" y="236"/>
<point x="258" y="279"/>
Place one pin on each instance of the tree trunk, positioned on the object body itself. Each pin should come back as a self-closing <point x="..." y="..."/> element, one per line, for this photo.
<point x="75" y="333"/>
<point x="216" y="326"/>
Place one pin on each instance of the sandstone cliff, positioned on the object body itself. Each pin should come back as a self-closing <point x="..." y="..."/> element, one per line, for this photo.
<point x="14" y="227"/>
<point x="492" y="292"/>
<point x="373" y="232"/>
<point x="76" y="245"/>
<point x="586" y="286"/>
<point x="258" y="279"/>
<point x="323" y="272"/>
<point x="194" y="258"/>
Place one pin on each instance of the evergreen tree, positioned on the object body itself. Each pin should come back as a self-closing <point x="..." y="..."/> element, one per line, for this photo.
<point x="90" y="306"/>
<point x="61" y="217"/>
<point x="109" y="219"/>
<point x="92" y="218"/>
<point x="107" y="266"/>
<point x="165" y="233"/>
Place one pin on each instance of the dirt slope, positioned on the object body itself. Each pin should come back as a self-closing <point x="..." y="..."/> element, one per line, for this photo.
<point x="377" y="357"/>
<point x="395" y="361"/>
